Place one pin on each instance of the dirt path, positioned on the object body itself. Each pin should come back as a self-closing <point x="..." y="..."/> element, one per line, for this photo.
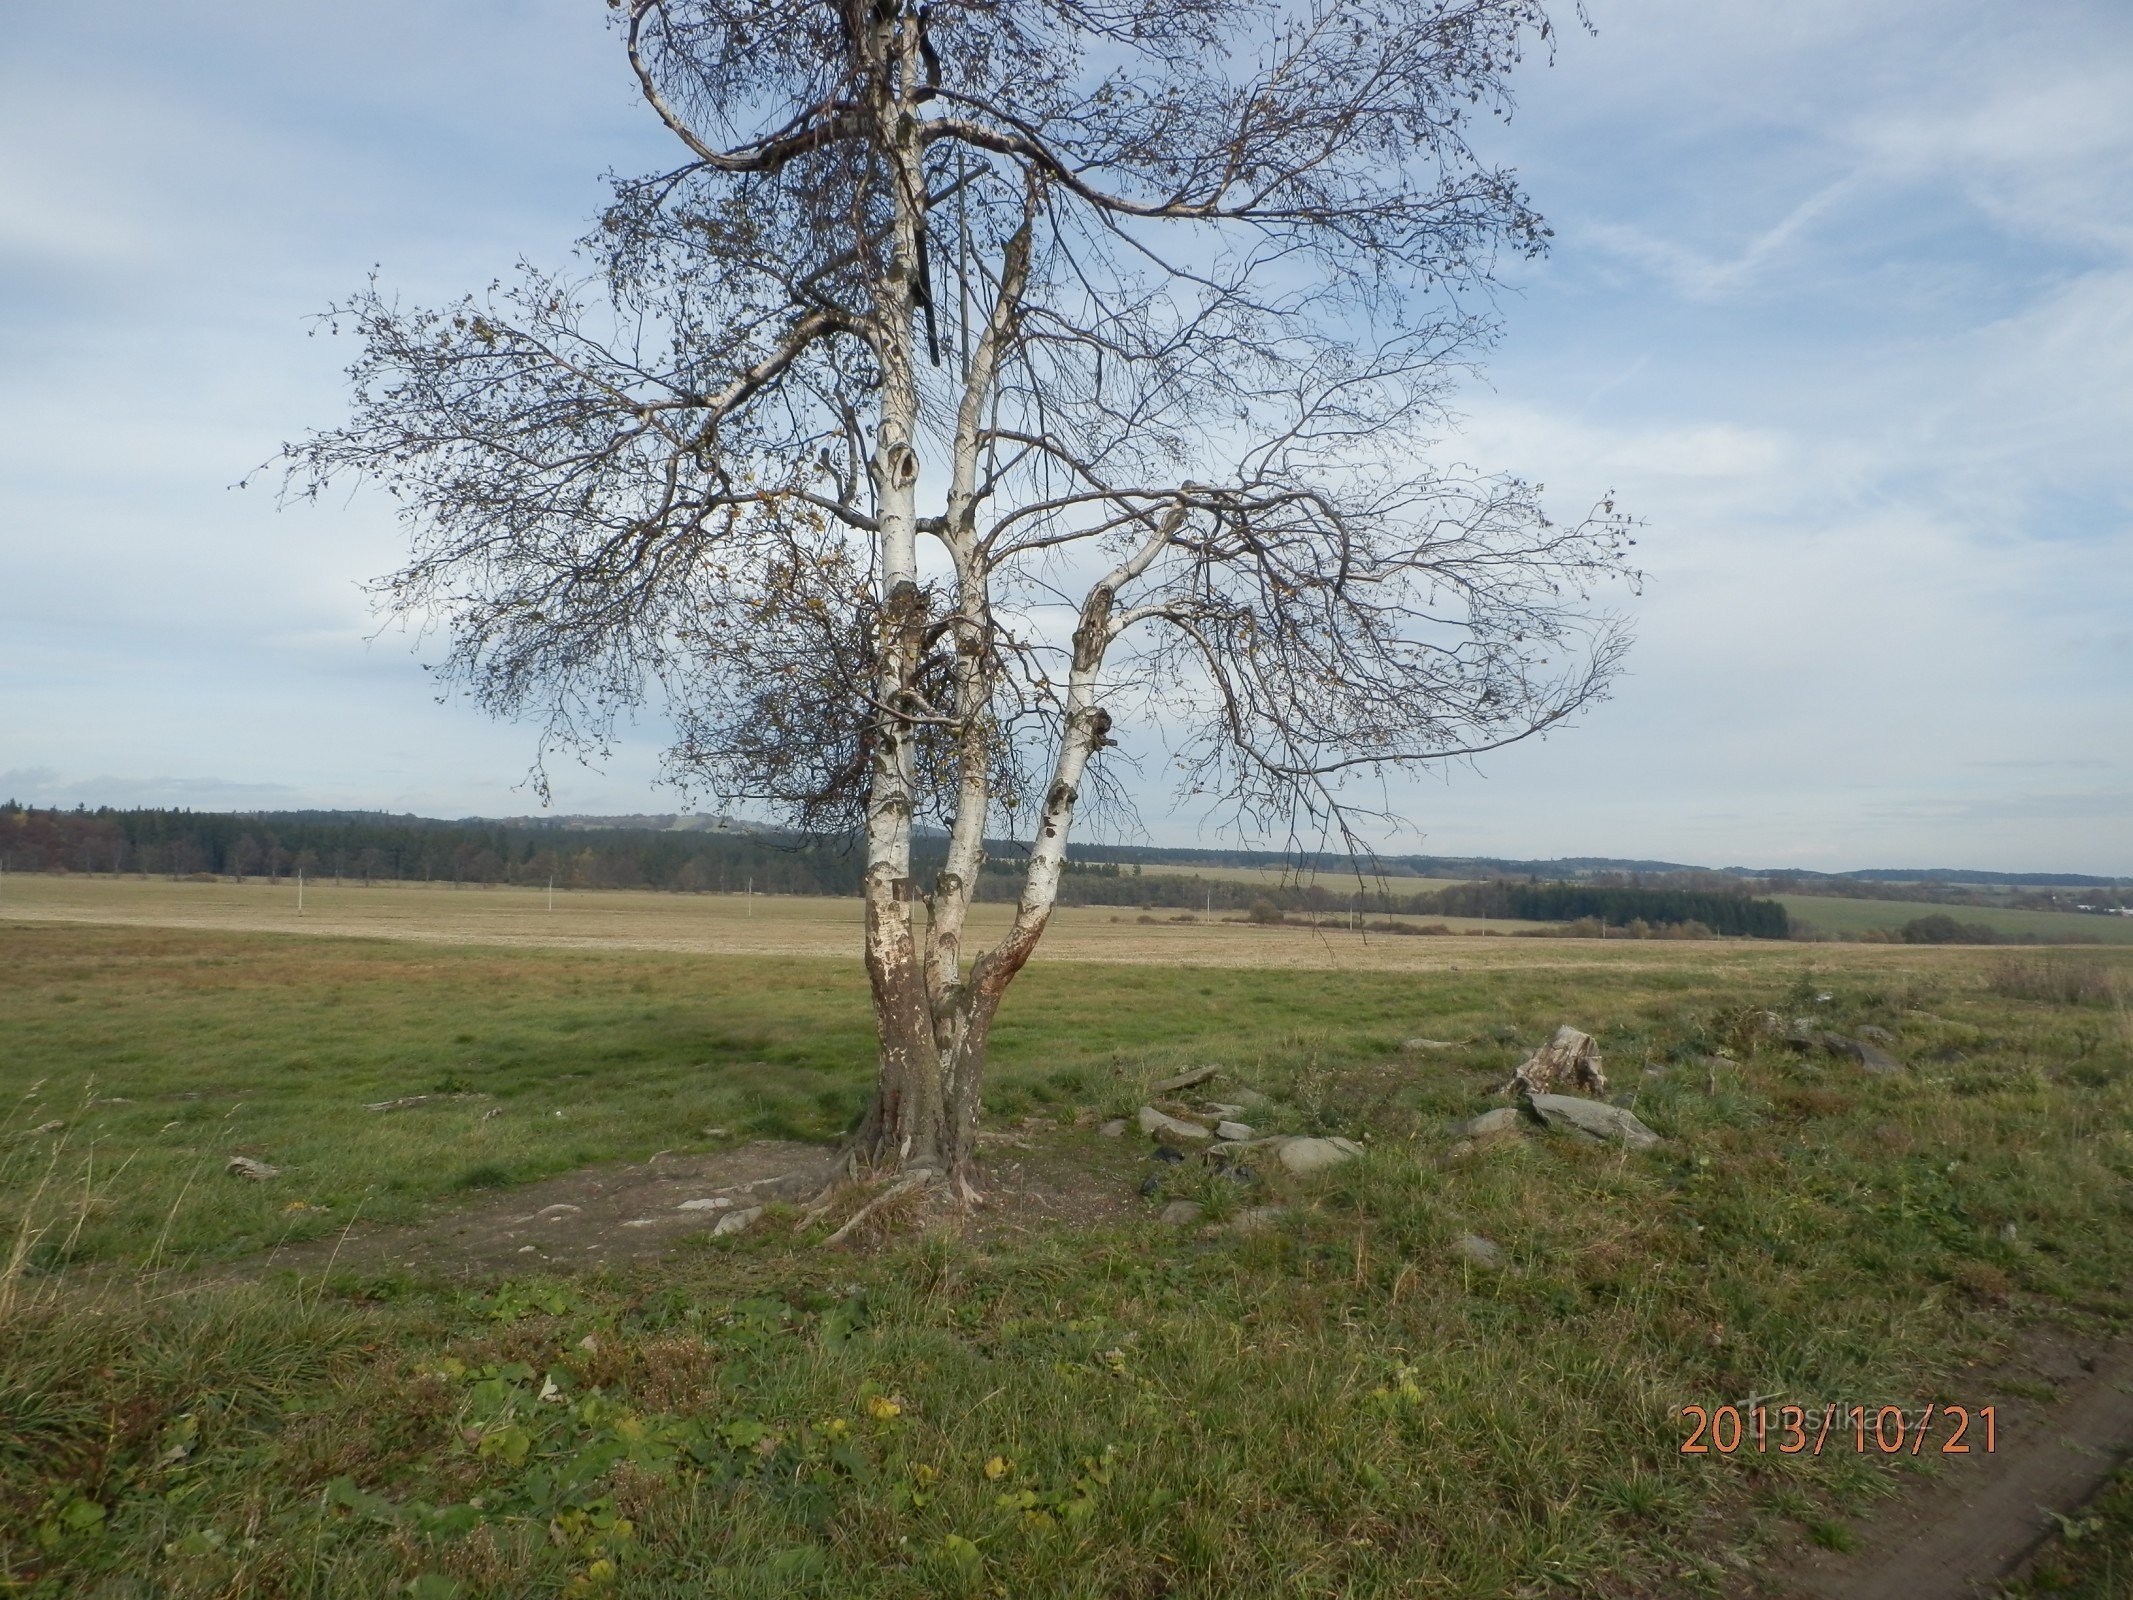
<point x="1960" y="1536"/>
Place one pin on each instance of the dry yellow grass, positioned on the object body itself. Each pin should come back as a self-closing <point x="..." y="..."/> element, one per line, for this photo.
<point x="825" y="927"/>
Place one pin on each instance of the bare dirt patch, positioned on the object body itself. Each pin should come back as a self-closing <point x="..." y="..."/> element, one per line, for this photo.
<point x="574" y="1222"/>
<point x="1031" y="1178"/>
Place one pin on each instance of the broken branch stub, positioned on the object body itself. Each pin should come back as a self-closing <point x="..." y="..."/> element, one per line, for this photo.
<point x="1569" y="1055"/>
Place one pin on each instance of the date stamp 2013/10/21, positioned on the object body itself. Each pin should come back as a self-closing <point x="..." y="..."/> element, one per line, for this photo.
<point x="1758" y="1429"/>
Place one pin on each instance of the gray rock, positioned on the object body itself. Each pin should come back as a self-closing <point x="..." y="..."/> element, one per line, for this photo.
<point x="1427" y="1044"/>
<point x="1153" y="1121"/>
<point x="1114" y="1129"/>
<point x="246" y="1167"/>
<point x="736" y="1222"/>
<point x="1595" y="1119"/>
<point x="1181" y="1213"/>
<point x="1188" y="1080"/>
<point x="717" y="1202"/>
<point x="1482" y="1252"/>
<point x="1304" y="1156"/>
<point x="1880" y="1036"/>
<point x="559" y="1210"/>
<point x="642" y="1222"/>
<point x="1504" y="1119"/>
<point x="1872" y="1057"/>
<point x="1232" y="1131"/>
<point x="1218" y="1108"/>
<point x="1257" y="1219"/>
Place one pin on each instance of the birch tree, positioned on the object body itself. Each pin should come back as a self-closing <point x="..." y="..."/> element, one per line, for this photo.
<point x="988" y="384"/>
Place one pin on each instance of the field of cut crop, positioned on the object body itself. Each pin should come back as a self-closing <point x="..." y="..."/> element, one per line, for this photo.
<point x="1349" y="1395"/>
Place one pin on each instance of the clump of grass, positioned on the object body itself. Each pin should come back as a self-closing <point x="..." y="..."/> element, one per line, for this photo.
<point x="2058" y="980"/>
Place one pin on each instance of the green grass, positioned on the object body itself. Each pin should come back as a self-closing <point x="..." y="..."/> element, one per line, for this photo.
<point x="1831" y="914"/>
<point x="1339" y="1405"/>
<point x="2090" y="1557"/>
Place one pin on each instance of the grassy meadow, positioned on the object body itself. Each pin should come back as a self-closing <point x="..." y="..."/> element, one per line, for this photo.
<point x="1834" y="914"/>
<point x="1339" y="1403"/>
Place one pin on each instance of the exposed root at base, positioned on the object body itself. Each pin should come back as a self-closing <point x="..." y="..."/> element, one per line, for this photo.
<point x="916" y="1179"/>
<point x="958" y="1190"/>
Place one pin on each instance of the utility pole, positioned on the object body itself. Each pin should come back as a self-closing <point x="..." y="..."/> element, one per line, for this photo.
<point x="551" y="891"/>
<point x="299" y="891"/>
<point x="751" y="894"/>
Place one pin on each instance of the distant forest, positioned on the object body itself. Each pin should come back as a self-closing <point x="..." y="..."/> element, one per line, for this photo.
<point x="362" y="847"/>
<point x="1723" y="913"/>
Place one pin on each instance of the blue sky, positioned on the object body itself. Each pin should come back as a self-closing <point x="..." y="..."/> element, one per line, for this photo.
<point x="1841" y="304"/>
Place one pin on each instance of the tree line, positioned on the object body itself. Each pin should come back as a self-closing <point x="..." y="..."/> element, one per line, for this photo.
<point x="362" y="847"/>
<point x="1723" y="913"/>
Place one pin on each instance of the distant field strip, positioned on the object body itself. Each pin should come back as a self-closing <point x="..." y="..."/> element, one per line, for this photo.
<point x="800" y="926"/>
<point x="1334" y="883"/>
<point x="1833" y="915"/>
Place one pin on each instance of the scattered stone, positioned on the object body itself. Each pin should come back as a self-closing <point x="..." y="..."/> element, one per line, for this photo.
<point x="246" y="1167"/>
<point x="40" y="1130"/>
<point x="716" y="1133"/>
<point x="1504" y="1119"/>
<point x="1570" y="1054"/>
<point x="717" y="1202"/>
<point x="589" y="1343"/>
<point x="1165" y="1154"/>
<point x="1481" y="1252"/>
<point x="736" y="1221"/>
<point x="1114" y="1129"/>
<point x="1655" y="1071"/>
<point x="1872" y="1057"/>
<point x="1216" y="1108"/>
<point x="1188" y="1080"/>
<point x="1232" y="1131"/>
<point x="555" y="1212"/>
<point x="1257" y="1219"/>
<point x="1304" y="1156"/>
<point x="1155" y="1122"/>
<point x="1151" y="1186"/>
<point x="1880" y="1036"/>
<point x="2009" y="1232"/>
<point x="641" y="1222"/>
<point x="1181" y="1213"/>
<point x="1427" y="1044"/>
<point x="525" y="1250"/>
<point x="1595" y="1119"/>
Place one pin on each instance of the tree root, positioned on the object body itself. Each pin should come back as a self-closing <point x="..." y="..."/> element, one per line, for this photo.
<point x="917" y="1179"/>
